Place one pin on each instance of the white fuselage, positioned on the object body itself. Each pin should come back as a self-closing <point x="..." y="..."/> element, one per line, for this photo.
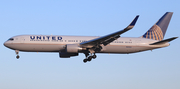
<point x="50" y="43"/>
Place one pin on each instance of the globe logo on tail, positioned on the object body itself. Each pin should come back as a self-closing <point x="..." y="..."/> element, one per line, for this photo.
<point x="154" y="33"/>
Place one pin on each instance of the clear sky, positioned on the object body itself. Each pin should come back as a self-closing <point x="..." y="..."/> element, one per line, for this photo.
<point x="159" y="69"/>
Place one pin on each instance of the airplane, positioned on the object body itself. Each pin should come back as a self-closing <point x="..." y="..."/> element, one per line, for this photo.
<point x="69" y="46"/>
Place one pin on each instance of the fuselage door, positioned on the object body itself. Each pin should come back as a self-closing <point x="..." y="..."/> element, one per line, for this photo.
<point x="22" y="39"/>
<point x="137" y="42"/>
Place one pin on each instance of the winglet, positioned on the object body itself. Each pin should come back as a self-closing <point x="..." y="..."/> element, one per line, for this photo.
<point x="131" y="25"/>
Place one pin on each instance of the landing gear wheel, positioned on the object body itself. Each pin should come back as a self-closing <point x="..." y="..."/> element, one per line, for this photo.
<point x="89" y="55"/>
<point x="85" y="60"/>
<point x="94" y="56"/>
<point x="17" y="53"/>
<point x="17" y="56"/>
<point x="89" y="58"/>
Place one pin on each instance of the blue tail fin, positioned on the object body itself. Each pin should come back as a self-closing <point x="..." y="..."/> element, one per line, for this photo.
<point x="158" y="30"/>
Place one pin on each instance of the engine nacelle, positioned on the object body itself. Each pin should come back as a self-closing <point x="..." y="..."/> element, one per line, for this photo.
<point x="67" y="55"/>
<point x="72" y="48"/>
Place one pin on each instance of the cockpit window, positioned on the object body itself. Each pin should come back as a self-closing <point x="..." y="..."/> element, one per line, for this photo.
<point x="10" y="39"/>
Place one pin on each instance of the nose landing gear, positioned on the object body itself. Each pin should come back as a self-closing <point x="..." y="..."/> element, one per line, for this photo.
<point x="17" y="56"/>
<point x="17" y="53"/>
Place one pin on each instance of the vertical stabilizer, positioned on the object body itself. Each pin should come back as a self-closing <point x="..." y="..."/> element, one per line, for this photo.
<point x="158" y="30"/>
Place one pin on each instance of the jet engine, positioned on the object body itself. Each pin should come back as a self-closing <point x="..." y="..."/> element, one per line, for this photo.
<point x="67" y="55"/>
<point x="70" y="50"/>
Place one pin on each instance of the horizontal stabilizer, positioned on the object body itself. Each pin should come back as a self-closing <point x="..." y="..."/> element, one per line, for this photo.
<point x="163" y="41"/>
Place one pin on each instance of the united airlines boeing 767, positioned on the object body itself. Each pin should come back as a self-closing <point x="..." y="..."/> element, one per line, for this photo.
<point x="68" y="46"/>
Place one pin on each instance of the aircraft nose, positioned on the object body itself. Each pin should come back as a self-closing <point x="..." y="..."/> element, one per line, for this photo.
<point x="5" y="44"/>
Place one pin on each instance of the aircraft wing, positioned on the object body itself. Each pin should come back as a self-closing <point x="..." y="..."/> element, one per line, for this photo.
<point x="105" y="40"/>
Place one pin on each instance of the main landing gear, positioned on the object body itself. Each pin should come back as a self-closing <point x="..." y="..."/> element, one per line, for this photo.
<point x="17" y="53"/>
<point x="89" y="58"/>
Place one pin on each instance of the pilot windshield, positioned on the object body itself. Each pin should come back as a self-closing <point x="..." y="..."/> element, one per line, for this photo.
<point x="10" y="39"/>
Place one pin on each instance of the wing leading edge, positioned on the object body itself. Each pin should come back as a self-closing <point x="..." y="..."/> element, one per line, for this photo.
<point x="105" y="40"/>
